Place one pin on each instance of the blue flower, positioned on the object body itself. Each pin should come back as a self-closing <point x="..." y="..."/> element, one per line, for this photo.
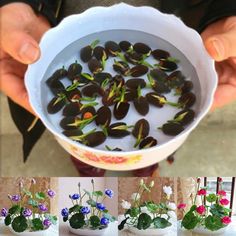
<point x="4" y="212"/>
<point x="65" y="212"/>
<point x="85" y="210"/>
<point x="75" y="196"/>
<point x="104" y="221"/>
<point x="100" y="206"/>
<point x="109" y="193"/>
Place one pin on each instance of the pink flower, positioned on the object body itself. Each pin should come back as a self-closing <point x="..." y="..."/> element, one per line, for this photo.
<point x="220" y="179"/>
<point x="222" y="193"/>
<point x="202" y="192"/>
<point x="201" y="210"/>
<point x="198" y="180"/>
<point x="181" y="206"/>
<point x="224" y="201"/>
<point x="226" y="220"/>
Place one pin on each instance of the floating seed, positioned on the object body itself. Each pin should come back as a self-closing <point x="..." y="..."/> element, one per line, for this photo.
<point x="140" y="130"/>
<point x="142" y="48"/>
<point x="159" y="54"/>
<point x="86" y="53"/>
<point x="73" y="95"/>
<point x="158" y="75"/>
<point x="103" y="116"/>
<point x="133" y="57"/>
<point x="175" y="79"/>
<point x="100" y="53"/>
<point x="167" y="65"/>
<point x="112" y="48"/>
<point x="56" y="105"/>
<point x="121" y="110"/>
<point x="156" y="99"/>
<point x="92" y="90"/>
<point x="184" y="117"/>
<point x="74" y="70"/>
<point x="172" y="128"/>
<point x="117" y="81"/>
<point x="118" y="130"/>
<point x="160" y="87"/>
<point x="125" y="45"/>
<point x="95" y="139"/>
<point x="187" y="100"/>
<point x="71" y="109"/>
<point x="130" y="95"/>
<point x="66" y="122"/>
<point x="121" y="67"/>
<point x="110" y="96"/>
<point x="60" y="73"/>
<point x="141" y="105"/>
<point x="57" y="87"/>
<point x="135" y="83"/>
<point x="88" y="112"/>
<point x="147" y="143"/>
<point x="72" y="132"/>
<point x="100" y="77"/>
<point x="185" y="88"/>
<point x="138" y="70"/>
<point x="95" y="66"/>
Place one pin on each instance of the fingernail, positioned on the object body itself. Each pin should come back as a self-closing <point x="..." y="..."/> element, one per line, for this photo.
<point x="29" y="53"/>
<point x="217" y="49"/>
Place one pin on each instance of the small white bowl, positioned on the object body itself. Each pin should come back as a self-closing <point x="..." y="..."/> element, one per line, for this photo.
<point x="203" y="231"/>
<point x="150" y="232"/>
<point x="45" y="232"/>
<point x="88" y="232"/>
<point x="151" y="25"/>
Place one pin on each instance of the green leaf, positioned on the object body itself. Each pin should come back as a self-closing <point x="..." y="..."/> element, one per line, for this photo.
<point x="213" y="223"/>
<point x="27" y="192"/>
<point x="97" y="193"/>
<point x="144" y="221"/>
<point x="52" y="218"/>
<point x="33" y="203"/>
<point x="75" y="208"/>
<point x="37" y="224"/>
<point x="88" y="193"/>
<point x="14" y="209"/>
<point x="211" y="197"/>
<point x="91" y="202"/>
<point x="152" y="207"/>
<point x="193" y="208"/>
<point x="94" y="221"/>
<point x="218" y="210"/>
<point x="7" y="220"/>
<point x="133" y="212"/>
<point x="190" y="221"/>
<point x="19" y="224"/>
<point x="40" y="196"/>
<point x="122" y="224"/>
<point x="109" y="217"/>
<point x="161" y="223"/>
<point x="77" y="221"/>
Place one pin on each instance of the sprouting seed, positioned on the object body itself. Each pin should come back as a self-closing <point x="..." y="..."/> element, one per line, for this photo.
<point x="103" y="117"/>
<point x="184" y="117"/>
<point x="167" y="65"/>
<point x="141" y="104"/>
<point x="112" y="48"/>
<point x="142" y="48"/>
<point x="86" y="53"/>
<point x="147" y="143"/>
<point x="125" y="45"/>
<point x="88" y="112"/>
<point x="118" y="130"/>
<point x="135" y="83"/>
<point x="92" y="90"/>
<point x="159" y="54"/>
<point x="172" y="128"/>
<point x="138" y="71"/>
<point x="56" y="104"/>
<point x="121" y="67"/>
<point x="95" y="66"/>
<point x="187" y="100"/>
<point x="140" y="130"/>
<point x="74" y="70"/>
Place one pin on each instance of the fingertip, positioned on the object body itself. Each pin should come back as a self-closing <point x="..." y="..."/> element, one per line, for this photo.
<point x="215" y="48"/>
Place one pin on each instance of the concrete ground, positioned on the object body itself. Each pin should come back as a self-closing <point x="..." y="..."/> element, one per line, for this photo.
<point x="209" y="151"/>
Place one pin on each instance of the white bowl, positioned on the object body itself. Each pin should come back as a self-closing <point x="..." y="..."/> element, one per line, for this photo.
<point x="88" y="232"/>
<point x="28" y="233"/>
<point x="203" y="231"/>
<point x="151" y="25"/>
<point x="150" y="232"/>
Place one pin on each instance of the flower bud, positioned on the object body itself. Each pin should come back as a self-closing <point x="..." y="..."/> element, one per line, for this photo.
<point x="151" y="184"/>
<point x="33" y="181"/>
<point x="141" y="182"/>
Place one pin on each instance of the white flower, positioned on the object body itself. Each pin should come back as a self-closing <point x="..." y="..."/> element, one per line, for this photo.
<point x="144" y="210"/>
<point x="125" y="204"/>
<point x="167" y="190"/>
<point x="151" y="184"/>
<point x="171" y="214"/>
<point x="135" y="196"/>
<point x="171" y="206"/>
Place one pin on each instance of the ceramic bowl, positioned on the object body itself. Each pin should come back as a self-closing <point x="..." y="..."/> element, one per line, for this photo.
<point x="204" y="231"/>
<point x="59" y="46"/>
<point x="88" y="232"/>
<point x="150" y="232"/>
<point x="45" y="232"/>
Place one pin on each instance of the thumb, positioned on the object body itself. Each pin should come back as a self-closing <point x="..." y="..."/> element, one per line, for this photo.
<point x="21" y="46"/>
<point x="221" y="46"/>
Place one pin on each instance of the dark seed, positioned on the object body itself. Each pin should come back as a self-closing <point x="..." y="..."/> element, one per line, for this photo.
<point x="186" y="87"/>
<point x="74" y="70"/>
<point x="53" y="107"/>
<point x="118" y="130"/>
<point x="66" y="121"/>
<point x="112" y="48"/>
<point x="72" y="132"/>
<point x="147" y="143"/>
<point x="156" y="99"/>
<point x="187" y="100"/>
<point x="73" y="95"/>
<point x="57" y="87"/>
<point x="175" y="79"/>
<point x="138" y="70"/>
<point x="95" y="66"/>
<point x="92" y="90"/>
<point x="160" y="87"/>
<point x="125" y="45"/>
<point x="141" y="129"/>
<point x="135" y="83"/>
<point x="172" y="128"/>
<point x="141" y="105"/>
<point x="185" y="117"/>
<point x="60" y="73"/>
<point x="167" y="65"/>
<point x="121" y="67"/>
<point x="118" y="80"/>
<point x="108" y="100"/>
<point x="99" y="52"/>
<point x="103" y="116"/>
<point x="121" y="110"/>
<point x="133" y="57"/>
<point x="86" y="53"/>
<point x="88" y="112"/>
<point x="100" y="77"/>
<point x="158" y="75"/>
<point x="95" y="139"/>
<point x="71" y="109"/>
<point x="159" y="54"/>
<point x="142" y="48"/>
<point x="130" y="95"/>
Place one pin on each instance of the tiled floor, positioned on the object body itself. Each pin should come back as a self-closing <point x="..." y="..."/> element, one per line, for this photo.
<point x="210" y="149"/>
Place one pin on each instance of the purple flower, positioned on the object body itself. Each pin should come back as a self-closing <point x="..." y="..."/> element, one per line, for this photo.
<point x="65" y="212"/>
<point x="42" y="207"/>
<point x="47" y="223"/>
<point x="4" y="212"/>
<point x="109" y="193"/>
<point x="15" y="198"/>
<point x="85" y="210"/>
<point x="27" y="212"/>
<point x="51" y="193"/>
<point x="104" y="221"/>
<point x="100" y="206"/>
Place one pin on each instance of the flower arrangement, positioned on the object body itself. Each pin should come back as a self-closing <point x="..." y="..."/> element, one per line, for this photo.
<point x="211" y="214"/>
<point x="29" y="210"/>
<point x="94" y="215"/>
<point x="145" y="215"/>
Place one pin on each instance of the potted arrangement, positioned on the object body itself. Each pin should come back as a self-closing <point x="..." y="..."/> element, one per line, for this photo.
<point x="29" y="214"/>
<point x="147" y="217"/>
<point x="91" y="218"/>
<point x="211" y="215"/>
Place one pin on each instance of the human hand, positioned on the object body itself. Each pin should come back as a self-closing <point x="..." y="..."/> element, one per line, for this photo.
<point x="220" y="41"/>
<point x="21" y="30"/>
